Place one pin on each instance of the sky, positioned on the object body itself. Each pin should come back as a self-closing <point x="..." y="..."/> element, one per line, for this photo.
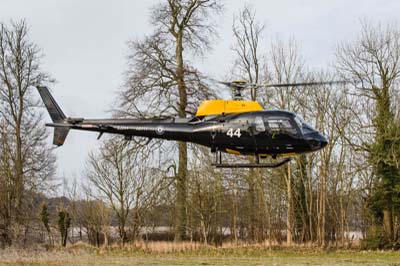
<point x="85" y="47"/>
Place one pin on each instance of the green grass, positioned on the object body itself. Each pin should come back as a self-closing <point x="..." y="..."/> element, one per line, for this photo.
<point x="245" y="257"/>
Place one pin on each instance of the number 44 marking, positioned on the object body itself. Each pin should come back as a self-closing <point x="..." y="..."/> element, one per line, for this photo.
<point x="230" y="133"/>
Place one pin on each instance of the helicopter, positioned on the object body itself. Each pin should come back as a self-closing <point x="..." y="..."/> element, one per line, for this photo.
<point x="237" y="127"/>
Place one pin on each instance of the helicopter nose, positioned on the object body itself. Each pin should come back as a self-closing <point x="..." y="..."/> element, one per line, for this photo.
<point x="323" y="141"/>
<point x="316" y="141"/>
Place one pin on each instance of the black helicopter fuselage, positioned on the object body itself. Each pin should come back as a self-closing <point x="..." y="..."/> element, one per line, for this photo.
<point x="263" y="132"/>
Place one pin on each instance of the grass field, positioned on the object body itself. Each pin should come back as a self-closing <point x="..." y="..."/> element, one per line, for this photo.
<point x="207" y="256"/>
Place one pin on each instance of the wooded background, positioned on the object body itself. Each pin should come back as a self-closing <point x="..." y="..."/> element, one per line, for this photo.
<point x="131" y="190"/>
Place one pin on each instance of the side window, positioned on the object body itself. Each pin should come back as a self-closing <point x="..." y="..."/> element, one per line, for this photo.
<point x="259" y="124"/>
<point x="277" y="124"/>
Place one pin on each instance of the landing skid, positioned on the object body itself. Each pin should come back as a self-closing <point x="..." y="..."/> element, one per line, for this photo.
<point x="218" y="163"/>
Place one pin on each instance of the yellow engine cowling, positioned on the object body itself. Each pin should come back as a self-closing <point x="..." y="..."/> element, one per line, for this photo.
<point x="215" y="107"/>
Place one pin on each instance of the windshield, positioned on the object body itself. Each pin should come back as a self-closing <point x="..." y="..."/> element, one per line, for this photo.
<point x="304" y="127"/>
<point x="307" y="129"/>
<point x="299" y="121"/>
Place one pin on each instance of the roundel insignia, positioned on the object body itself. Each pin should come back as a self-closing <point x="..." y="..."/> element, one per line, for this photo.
<point x="160" y="130"/>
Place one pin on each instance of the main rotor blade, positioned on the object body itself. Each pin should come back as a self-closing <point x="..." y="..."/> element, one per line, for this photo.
<point x="225" y="83"/>
<point x="240" y="85"/>
<point x="298" y="84"/>
<point x="233" y="84"/>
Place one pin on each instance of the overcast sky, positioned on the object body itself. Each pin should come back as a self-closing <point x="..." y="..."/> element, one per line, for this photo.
<point x="85" y="44"/>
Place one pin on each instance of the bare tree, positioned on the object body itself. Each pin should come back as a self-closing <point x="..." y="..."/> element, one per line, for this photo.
<point x="205" y="196"/>
<point x="248" y="32"/>
<point x="26" y="158"/>
<point x="95" y="216"/>
<point x="160" y="79"/>
<point x="112" y="173"/>
<point x="285" y="65"/>
<point x="121" y="177"/>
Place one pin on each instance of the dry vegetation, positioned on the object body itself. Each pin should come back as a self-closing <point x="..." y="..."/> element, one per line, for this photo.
<point x="192" y="254"/>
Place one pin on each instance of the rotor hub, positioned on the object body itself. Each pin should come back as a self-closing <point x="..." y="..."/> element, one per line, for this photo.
<point x="237" y="86"/>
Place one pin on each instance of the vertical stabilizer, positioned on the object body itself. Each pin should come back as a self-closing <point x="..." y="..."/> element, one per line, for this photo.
<point x="52" y="107"/>
<point x="56" y="114"/>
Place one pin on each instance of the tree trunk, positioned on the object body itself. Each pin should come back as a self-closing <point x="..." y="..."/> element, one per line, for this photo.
<point x="235" y="217"/>
<point x="121" y="227"/>
<point x="181" y="181"/>
<point x="19" y="172"/>
<point x="105" y="238"/>
<point x="322" y="211"/>
<point x="181" y="184"/>
<point x="289" y="208"/>
<point x="252" y="205"/>
<point x="388" y="223"/>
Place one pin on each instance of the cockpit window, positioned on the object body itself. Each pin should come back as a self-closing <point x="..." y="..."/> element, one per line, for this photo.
<point x="259" y="124"/>
<point x="299" y="121"/>
<point x="304" y="127"/>
<point x="307" y="129"/>
<point x="277" y="124"/>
